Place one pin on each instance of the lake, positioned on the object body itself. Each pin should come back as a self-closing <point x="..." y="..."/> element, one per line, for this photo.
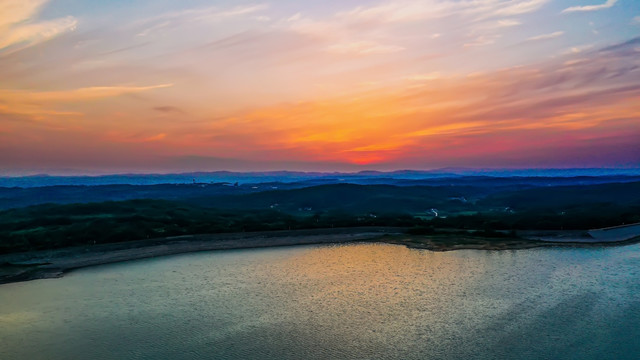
<point x="357" y="301"/>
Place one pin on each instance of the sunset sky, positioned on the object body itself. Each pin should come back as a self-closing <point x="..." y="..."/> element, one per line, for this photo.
<point x="192" y="85"/>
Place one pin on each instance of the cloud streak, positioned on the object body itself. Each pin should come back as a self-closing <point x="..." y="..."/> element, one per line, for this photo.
<point x="415" y="83"/>
<point x="606" y="5"/>
<point x="20" y="30"/>
<point x="533" y="106"/>
<point x="81" y="94"/>
<point x="552" y="35"/>
<point x="363" y="48"/>
<point x="201" y="15"/>
<point x="410" y="11"/>
<point x="39" y="103"/>
<point x="483" y="20"/>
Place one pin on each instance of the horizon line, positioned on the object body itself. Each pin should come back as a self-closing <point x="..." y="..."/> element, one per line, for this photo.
<point x="452" y="170"/>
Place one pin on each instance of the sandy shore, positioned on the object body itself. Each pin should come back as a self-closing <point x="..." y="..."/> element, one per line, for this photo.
<point x="54" y="263"/>
<point x="50" y="264"/>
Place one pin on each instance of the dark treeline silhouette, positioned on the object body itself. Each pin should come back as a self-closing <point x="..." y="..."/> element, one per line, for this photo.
<point x="422" y="209"/>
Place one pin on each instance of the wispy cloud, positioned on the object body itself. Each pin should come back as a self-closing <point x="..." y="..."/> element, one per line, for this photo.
<point x="408" y="11"/>
<point x="483" y="40"/>
<point x="493" y="25"/>
<point x="606" y="5"/>
<point x="398" y="11"/>
<point x="81" y="94"/>
<point x="199" y="15"/>
<point x="508" y="23"/>
<point x="515" y="110"/>
<point x="631" y="46"/>
<point x="552" y="35"/>
<point x="483" y="20"/>
<point x="412" y="10"/>
<point x="119" y="137"/>
<point x="19" y="29"/>
<point x="13" y="12"/>
<point x="363" y="48"/>
<point x="509" y="8"/>
<point x="424" y="77"/>
<point x="578" y="49"/>
<point x="43" y="103"/>
<point x="388" y="80"/>
<point x="210" y="13"/>
<point x="167" y="109"/>
<point x="239" y="10"/>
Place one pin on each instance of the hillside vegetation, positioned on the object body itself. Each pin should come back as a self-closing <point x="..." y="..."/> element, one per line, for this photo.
<point x="423" y="208"/>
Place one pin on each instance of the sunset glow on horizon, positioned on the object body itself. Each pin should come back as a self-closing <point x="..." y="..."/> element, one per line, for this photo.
<point x="168" y="86"/>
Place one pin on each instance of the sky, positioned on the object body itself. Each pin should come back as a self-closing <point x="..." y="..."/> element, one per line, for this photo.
<point x="91" y="87"/>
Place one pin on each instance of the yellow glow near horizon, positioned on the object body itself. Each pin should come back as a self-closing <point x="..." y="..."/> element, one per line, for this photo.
<point x="382" y="85"/>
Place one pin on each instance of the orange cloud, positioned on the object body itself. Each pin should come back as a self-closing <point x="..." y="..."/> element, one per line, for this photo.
<point x="517" y="109"/>
<point x="19" y="30"/>
<point x="39" y="104"/>
<point x="119" y="137"/>
<point x="508" y="115"/>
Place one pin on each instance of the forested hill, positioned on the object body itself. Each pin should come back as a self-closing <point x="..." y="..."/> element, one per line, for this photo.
<point x="471" y="186"/>
<point x="168" y="210"/>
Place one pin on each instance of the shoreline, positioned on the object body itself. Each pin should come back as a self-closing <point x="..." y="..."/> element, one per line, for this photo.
<point x="46" y="264"/>
<point x="443" y="243"/>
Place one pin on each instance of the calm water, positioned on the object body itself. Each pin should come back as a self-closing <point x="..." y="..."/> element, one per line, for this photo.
<point x="365" y="301"/>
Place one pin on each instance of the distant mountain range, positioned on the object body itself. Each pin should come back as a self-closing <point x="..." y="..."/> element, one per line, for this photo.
<point x="294" y="176"/>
